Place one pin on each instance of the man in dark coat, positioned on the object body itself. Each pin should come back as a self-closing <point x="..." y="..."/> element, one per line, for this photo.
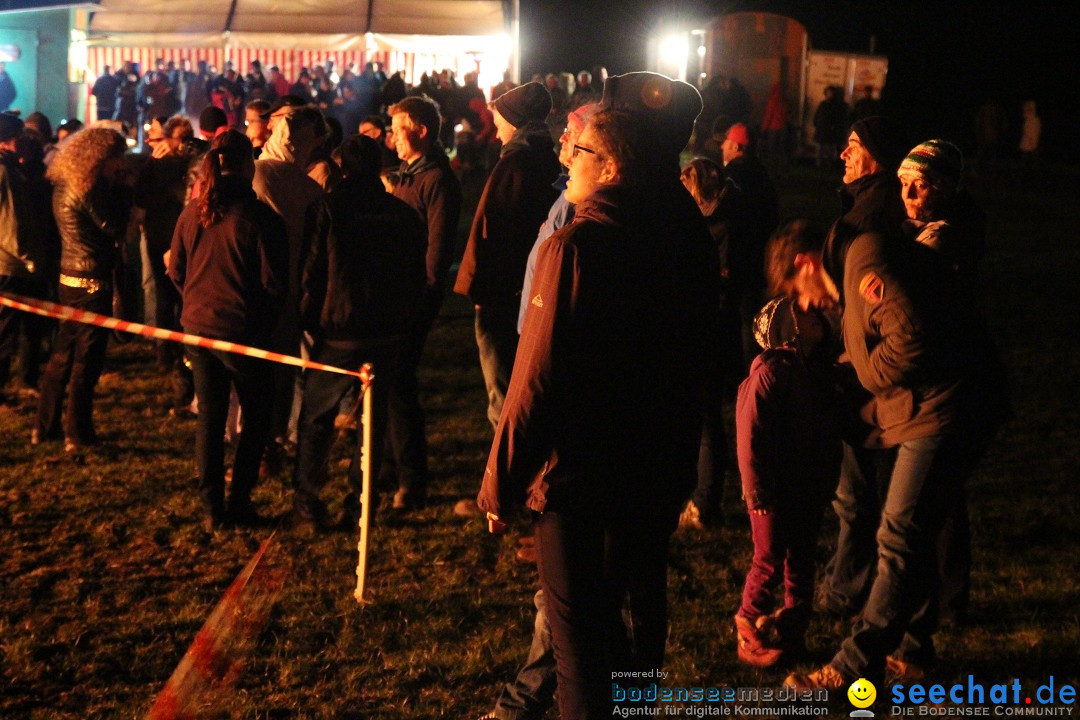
<point x="870" y="201"/>
<point x="23" y="253"/>
<point x="425" y="183"/>
<point x="361" y="287"/>
<point x="514" y="204"/>
<point x="104" y="92"/>
<point x="7" y="89"/>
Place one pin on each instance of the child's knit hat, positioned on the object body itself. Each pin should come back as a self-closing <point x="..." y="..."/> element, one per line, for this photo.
<point x="939" y="162"/>
<point x="775" y="325"/>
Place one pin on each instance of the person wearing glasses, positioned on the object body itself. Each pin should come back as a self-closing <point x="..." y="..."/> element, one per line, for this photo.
<point x="599" y="434"/>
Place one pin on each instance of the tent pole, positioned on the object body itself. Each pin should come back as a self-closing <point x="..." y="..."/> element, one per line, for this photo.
<point x="229" y="18"/>
<point x="515" y="38"/>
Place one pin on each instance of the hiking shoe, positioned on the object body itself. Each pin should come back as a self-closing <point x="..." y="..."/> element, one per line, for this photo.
<point x="314" y="515"/>
<point x="752" y="649"/>
<point x="467" y="508"/>
<point x="406" y="500"/>
<point x="690" y="519"/>
<point x="244" y="515"/>
<point x="827" y="678"/>
<point x="901" y="671"/>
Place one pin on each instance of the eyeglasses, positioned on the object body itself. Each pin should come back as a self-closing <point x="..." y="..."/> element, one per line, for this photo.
<point x="583" y="149"/>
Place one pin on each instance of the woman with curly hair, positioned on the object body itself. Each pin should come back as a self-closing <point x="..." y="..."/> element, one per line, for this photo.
<point x="230" y="260"/>
<point x="91" y="207"/>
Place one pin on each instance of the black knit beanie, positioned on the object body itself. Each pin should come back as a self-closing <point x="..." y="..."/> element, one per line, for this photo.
<point x="530" y="101"/>
<point x="885" y="139"/>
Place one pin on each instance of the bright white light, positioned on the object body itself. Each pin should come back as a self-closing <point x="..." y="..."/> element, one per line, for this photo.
<point x="674" y="49"/>
<point x="701" y="50"/>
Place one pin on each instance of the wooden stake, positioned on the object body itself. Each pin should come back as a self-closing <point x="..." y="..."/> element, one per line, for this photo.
<point x="367" y="376"/>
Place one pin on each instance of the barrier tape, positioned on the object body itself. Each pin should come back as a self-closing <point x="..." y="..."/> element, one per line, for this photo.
<point x="66" y="312"/>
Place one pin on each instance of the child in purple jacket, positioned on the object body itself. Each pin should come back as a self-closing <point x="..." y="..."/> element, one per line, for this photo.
<point x="788" y="446"/>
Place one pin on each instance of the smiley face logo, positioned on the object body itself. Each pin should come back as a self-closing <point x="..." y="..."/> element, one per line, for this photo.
<point x="862" y="693"/>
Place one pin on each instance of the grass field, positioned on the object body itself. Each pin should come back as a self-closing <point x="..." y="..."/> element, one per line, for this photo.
<point x="106" y="574"/>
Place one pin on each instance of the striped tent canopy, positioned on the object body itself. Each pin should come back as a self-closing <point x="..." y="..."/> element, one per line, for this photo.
<point x="408" y="36"/>
<point x="177" y="21"/>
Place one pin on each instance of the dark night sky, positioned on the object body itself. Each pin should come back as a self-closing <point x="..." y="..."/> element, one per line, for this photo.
<point x="945" y="56"/>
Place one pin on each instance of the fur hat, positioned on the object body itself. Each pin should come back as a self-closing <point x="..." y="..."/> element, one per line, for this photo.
<point x="669" y="106"/>
<point x="938" y="162"/>
<point x="775" y="325"/>
<point x="530" y="101"/>
<point x="884" y="138"/>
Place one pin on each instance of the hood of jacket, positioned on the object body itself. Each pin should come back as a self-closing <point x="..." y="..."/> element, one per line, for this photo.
<point x="635" y="205"/>
<point x="533" y="133"/>
<point x="291" y="143"/>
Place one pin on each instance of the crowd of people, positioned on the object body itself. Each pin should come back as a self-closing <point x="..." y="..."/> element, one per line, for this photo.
<point x="621" y="301"/>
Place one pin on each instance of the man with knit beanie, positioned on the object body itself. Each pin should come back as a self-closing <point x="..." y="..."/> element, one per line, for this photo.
<point x="870" y="199"/>
<point x="514" y="203"/>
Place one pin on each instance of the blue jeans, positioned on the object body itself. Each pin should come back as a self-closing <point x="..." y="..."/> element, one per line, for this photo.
<point x="497" y="338"/>
<point x="850" y="571"/>
<point x="925" y="485"/>
<point x="532" y="692"/>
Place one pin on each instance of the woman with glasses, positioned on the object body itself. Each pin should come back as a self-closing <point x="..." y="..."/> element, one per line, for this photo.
<point x="601" y="425"/>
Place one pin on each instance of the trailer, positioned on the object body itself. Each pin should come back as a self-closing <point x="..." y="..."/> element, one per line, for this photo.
<point x="761" y="50"/>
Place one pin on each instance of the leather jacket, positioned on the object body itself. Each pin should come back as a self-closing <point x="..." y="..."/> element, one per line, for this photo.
<point x="91" y="228"/>
<point x="19" y="253"/>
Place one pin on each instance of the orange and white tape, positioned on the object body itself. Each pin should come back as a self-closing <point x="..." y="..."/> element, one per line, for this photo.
<point x="66" y="312"/>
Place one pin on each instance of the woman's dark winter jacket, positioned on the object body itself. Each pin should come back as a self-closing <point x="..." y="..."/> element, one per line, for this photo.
<point x="233" y="274"/>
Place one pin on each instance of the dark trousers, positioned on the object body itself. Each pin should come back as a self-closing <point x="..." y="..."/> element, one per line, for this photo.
<point x="591" y="568"/>
<point x="76" y="363"/>
<point x="170" y="355"/>
<point x="497" y="339"/>
<point x="404" y="460"/>
<point x="712" y="458"/>
<point x="322" y="395"/>
<point x="31" y="327"/>
<point x="899" y="614"/>
<point x="215" y="371"/>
